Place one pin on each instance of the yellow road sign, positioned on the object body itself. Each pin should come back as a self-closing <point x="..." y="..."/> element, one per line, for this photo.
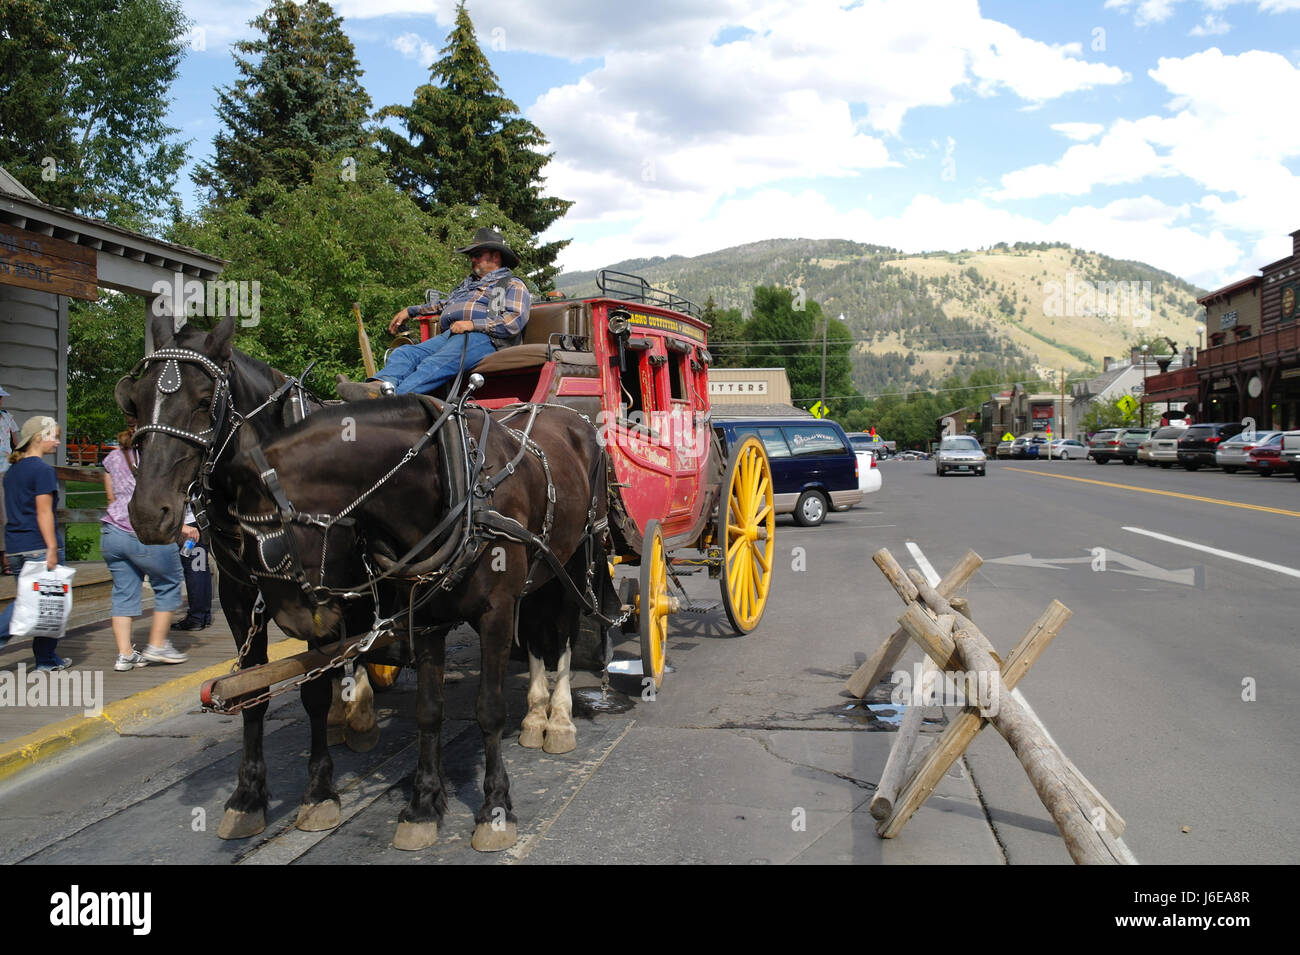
<point x="1008" y="437"/>
<point x="818" y="410"/>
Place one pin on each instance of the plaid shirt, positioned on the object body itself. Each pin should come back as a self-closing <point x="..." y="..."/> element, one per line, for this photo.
<point x="472" y="300"/>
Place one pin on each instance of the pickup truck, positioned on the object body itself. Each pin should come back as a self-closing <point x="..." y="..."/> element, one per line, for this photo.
<point x="1291" y="451"/>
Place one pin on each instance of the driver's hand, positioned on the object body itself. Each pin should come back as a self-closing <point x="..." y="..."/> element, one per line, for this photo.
<point x="398" y="321"/>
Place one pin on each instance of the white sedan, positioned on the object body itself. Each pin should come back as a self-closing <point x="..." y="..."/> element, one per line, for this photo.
<point x="869" y="478"/>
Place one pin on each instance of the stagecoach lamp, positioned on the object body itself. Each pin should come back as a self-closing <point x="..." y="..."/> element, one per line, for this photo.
<point x="618" y="322"/>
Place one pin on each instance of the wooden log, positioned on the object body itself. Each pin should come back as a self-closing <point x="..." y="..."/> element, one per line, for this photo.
<point x="255" y="679"/>
<point x="1026" y="652"/>
<point x="881" y="663"/>
<point x="900" y="754"/>
<point x="962" y="728"/>
<point x="1087" y="844"/>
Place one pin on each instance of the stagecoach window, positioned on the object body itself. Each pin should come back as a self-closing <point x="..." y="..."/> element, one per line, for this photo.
<point x="630" y="379"/>
<point x="676" y="380"/>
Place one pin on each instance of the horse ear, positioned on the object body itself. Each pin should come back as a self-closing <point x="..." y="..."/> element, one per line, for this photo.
<point x="164" y="330"/>
<point x="122" y="394"/>
<point x="220" y="337"/>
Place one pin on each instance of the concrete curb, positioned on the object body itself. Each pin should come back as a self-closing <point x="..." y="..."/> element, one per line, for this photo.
<point x="121" y="717"/>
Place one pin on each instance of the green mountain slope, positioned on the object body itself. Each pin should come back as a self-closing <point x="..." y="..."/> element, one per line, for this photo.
<point x="918" y="318"/>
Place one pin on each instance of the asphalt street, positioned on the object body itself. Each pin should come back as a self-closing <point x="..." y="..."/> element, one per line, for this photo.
<point x="1174" y="687"/>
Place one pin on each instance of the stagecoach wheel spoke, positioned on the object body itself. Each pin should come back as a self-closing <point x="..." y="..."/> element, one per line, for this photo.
<point x="748" y="518"/>
<point x="654" y="607"/>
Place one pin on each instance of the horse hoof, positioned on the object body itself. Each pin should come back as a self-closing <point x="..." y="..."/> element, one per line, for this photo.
<point x="240" y="825"/>
<point x="531" y="736"/>
<point x="562" y="740"/>
<point x="362" y="742"/>
<point x="489" y="837"/>
<point x="335" y="734"/>
<point x="317" y="816"/>
<point x="414" y="836"/>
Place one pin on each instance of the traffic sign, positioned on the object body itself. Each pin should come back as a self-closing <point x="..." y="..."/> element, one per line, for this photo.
<point x="818" y="410"/>
<point x="1008" y="437"/>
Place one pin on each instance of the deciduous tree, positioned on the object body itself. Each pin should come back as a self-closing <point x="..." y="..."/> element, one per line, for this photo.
<point x="83" y="99"/>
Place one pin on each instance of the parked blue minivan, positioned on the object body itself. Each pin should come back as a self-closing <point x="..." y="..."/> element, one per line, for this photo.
<point x="814" y="469"/>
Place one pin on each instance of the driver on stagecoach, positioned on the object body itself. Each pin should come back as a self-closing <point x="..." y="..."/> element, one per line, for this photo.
<point x="489" y="308"/>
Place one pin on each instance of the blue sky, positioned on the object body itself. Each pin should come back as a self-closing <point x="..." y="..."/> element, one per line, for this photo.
<point x="1159" y="130"/>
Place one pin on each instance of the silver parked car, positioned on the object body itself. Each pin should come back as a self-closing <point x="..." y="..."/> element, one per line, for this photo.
<point x="960" y="452"/>
<point x="1234" y="454"/>
<point x="1162" y="448"/>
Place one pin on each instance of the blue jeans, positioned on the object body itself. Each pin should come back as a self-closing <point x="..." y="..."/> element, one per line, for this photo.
<point x="42" y="647"/>
<point x="419" y="368"/>
<point x="198" y="585"/>
<point x="129" y="561"/>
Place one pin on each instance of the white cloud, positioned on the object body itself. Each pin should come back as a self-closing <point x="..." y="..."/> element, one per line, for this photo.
<point x="1079" y="132"/>
<point x="1210" y="26"/>
<point x="1224" y="135"/>
<point x="1140" y="228"/>
<point x="415" y="47"/>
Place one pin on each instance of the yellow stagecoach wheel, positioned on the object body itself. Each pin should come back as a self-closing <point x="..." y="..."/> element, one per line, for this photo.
<point x="654" y="604"/>
<point x="382" y="677"/>
<point x="747" y="535"/>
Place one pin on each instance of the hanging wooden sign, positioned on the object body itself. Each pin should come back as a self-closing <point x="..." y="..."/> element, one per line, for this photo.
<point x="35" y="261"/>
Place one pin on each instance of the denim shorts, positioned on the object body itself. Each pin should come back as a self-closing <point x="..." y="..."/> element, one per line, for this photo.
<point x="129" y="561"/>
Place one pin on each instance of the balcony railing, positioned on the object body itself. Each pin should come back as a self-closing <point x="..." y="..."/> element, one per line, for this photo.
<point x="1283" y="339"/>
<point x="1178" y="380"/>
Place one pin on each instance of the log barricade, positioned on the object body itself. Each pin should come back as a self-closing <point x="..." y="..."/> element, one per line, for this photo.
<point x="955" y="649"/>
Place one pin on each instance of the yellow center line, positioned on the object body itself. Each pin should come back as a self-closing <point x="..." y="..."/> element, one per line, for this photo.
<point x="1147" y="490"/>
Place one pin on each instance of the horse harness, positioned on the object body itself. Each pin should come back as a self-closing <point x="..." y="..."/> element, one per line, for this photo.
<point x="470" y="491"/>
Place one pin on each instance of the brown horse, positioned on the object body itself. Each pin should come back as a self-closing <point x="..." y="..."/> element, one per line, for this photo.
<point x="458" y="532"/>
<point x="198" y="401"/>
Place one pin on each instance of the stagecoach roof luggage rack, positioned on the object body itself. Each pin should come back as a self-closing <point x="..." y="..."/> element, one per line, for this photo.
<point x="633" y="288"/>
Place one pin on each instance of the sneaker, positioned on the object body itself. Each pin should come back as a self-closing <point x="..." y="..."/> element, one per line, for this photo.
<point x="189" y="623"/>
<point x="164" y="654"/>
<point x="60" y="663"/>
<point x="125" y="663"/>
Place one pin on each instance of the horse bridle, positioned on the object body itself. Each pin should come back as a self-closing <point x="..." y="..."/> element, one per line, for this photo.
<point x="222" y="408"/>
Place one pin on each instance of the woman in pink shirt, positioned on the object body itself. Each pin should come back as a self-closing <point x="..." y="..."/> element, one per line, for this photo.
<point x="129" y="561"/>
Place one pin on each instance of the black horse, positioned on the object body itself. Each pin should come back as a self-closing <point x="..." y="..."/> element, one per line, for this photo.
<point x="198" y="401"/>
<point x="456" y="525"/>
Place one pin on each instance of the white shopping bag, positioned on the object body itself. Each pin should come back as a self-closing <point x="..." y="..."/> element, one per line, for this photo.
<point x="43" y="602"/>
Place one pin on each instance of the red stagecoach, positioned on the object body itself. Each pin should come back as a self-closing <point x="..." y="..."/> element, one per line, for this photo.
<point x="635" y="361"/>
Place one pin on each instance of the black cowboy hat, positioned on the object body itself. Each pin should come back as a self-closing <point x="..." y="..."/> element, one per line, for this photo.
<point x="492" y="240"/>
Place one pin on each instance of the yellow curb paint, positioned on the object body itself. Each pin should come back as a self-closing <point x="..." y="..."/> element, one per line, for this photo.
<point x="121" y="717"/>
<point x="1148" y="490"/>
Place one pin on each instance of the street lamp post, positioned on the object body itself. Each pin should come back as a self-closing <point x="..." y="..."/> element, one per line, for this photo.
<point x="1143" y="406"/>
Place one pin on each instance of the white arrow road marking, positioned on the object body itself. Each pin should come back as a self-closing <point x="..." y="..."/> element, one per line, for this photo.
<point x="1136" y="568"/>
<point x="1253" y="561"/>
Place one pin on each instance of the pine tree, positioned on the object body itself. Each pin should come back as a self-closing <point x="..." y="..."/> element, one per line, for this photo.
<point x="301" y="102"/>
<point x="466" y="143"/>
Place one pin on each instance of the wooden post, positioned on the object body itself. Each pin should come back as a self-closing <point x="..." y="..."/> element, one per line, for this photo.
<point x="1087" y="844"/>
<point x="881" y="663"/>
